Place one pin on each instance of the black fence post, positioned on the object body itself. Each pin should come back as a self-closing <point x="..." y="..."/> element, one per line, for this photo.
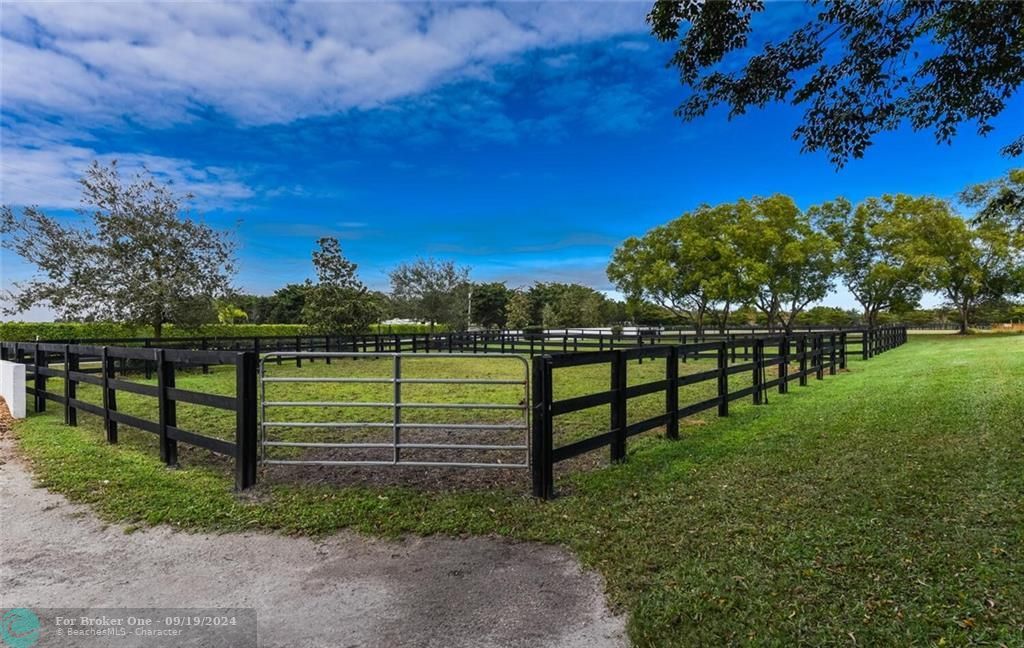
<point x="542" y="442"/>
<point x="803" y="359"/>
<point x="832" y="355"/>
<point x="865" y="344"/>
<point x="723" y="377"/>
<point x="109" y="396"/>
<point x="784" y="365"/>
<point x="40" y="380"/>
<point x="298" y="349"/>
<point x="672" y="392"/>
<point x="842" y="350"/>
<point x="70" y="391"/>
<point x="246" y="433"/>
<point x="819" y="356"/>
<point x="618" y="407"/>
<point x="758" y="377"/>
<point x="168" y="408"/>
<point x="147" y="368"/>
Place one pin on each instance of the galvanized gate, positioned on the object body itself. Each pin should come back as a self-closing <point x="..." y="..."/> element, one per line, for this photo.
<point x="396" y="423"/>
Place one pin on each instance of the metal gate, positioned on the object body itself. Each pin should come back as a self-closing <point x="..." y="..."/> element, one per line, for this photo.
<point x="396" y="423"/>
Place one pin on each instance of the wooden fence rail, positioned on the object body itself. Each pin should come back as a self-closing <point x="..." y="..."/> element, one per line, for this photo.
<point x="815" y="354"/>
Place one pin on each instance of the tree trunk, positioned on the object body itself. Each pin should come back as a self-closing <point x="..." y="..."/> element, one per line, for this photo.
<point x="963" y="320"/>
<point x="158" y="329"/>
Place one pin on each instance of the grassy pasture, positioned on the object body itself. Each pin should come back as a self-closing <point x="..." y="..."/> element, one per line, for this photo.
<point x="883" y="506"/>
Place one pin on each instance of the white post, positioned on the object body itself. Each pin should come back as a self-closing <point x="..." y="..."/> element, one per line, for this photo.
<point x="12" y="387"/>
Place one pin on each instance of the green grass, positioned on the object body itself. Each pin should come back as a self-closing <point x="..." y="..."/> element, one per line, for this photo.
<point x="884" y="506"/>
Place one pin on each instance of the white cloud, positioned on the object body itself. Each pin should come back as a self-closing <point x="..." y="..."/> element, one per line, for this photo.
<point x="261" y="64"/>
<point x="48" y="176"/>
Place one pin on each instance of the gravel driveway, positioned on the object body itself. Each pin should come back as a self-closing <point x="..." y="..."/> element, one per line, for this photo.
<point x="346" y="590"/>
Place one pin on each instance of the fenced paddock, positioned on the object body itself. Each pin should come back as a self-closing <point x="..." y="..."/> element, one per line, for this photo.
<point x="598" y="396"/>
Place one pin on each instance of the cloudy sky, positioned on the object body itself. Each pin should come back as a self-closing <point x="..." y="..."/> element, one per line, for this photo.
<point x="525" y="140"/>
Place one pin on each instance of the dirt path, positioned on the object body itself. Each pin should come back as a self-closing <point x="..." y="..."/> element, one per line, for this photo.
<point x="346" y="590"/>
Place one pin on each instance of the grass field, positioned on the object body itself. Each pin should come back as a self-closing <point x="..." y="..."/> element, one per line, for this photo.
<point x="883" y="506"/>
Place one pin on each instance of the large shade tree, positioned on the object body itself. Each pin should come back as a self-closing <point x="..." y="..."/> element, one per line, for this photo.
<point x="432" y="291"/>
<point x="788" y="262"/>
<point x="136" y="255"/>
<point x="870" y="259"/>
<point x="857" y="68"/>
<point x="691" y="266"/>
<point x="970" y="264"/>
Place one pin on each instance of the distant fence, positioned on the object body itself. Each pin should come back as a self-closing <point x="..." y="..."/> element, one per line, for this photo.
<point x="815" y="353"/>
<point x="525" y="342"/>
<point x="109" y="369"/>
<point x="106" y="368"/>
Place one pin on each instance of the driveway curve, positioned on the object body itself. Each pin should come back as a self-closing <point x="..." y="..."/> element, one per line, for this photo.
<point x="345" y="590"/>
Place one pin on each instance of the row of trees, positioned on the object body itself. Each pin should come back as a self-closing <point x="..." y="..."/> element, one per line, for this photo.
<point x="441" y="293"/>
<point x="768" y="254"/>
<point x="139" y="257"/>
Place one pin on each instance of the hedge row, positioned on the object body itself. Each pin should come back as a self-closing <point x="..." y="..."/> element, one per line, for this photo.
<point x="28" y="331"/>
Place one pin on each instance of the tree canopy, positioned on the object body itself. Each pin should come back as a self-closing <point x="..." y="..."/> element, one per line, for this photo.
<point x="969" y="264"/>
<point x="338" y="303"/>
<point x="871" y="261"/>
<point x="762" y="251"/>
<point x="136" y="256"/>
<point x="858" y="68"/>
<point x="432" y="291"/>
<point x="1002" y="198"/>
<point x="690" y="266"/>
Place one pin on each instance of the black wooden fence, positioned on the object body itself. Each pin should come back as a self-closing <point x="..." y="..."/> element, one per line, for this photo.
<point x="108" y="367"/>
<point x="104" y="367"/>
<point x="522" y="342"/>
<point x="815" y="354"/>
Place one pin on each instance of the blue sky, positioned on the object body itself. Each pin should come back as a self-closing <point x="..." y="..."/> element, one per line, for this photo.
<point x="523" y="140"/>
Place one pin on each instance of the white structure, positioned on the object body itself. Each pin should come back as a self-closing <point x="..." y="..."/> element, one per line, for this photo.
<point x="12" y="387"/>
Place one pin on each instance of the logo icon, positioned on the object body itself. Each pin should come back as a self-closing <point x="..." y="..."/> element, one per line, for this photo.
<point x="19" y="628"/>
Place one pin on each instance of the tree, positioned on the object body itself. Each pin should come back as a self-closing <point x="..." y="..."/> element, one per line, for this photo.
<point x="789" y="262"/>
<point x="691" y="266"/>
<point x="489" y="301"/>
<point x="970" y="264"/>
<point x="563" y="305"/>
<point x="136" y="256"/>
<point x="829" y="316"/>
<point x="870" y="241"/>
<point x="860" y="68"/>
<point x="518" y="310"/>
<point x="338" y="303"/>
<point x="577" y="305"/>
<point x="285" y="306"/>
<point x="432" y="291"/>
<point x="1002" y="198"/>
<point x="228" y="313"/>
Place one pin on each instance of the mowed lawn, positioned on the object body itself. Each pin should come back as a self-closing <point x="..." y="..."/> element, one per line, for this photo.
<point x="882" y="506"/>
